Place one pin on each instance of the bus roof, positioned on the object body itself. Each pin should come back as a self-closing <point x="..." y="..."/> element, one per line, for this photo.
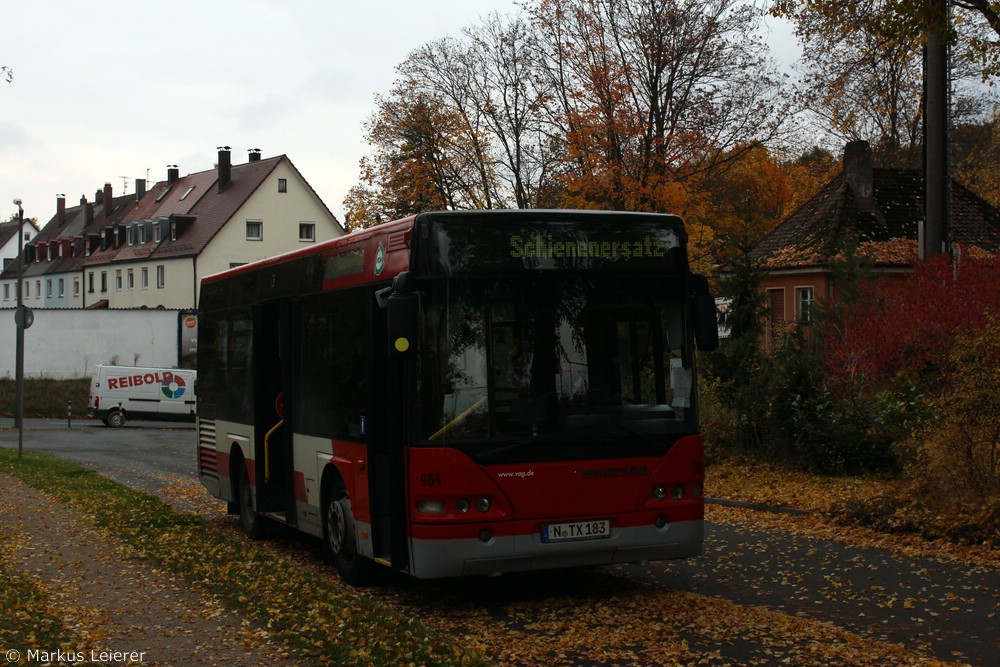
<point x="387" y="229"/>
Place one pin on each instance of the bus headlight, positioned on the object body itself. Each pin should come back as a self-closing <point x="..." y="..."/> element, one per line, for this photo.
<point x="430" y="506"/>
<point x="659" y="493"/>
<point x="678" y="493"/>
<point x="462" y="506"/>
<point x="483" y="505"/>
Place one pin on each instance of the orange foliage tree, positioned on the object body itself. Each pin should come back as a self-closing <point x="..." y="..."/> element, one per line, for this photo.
<point x="650" y="97"/>
<point x="617" y="104"/>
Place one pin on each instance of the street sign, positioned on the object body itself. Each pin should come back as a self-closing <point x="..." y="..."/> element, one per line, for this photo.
<point x="24" y="317"/>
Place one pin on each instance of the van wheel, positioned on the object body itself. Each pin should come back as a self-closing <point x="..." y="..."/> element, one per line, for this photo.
<point x="116" y="419"/>
<point x="251" y="522"/>
<point x="340" y="546"/>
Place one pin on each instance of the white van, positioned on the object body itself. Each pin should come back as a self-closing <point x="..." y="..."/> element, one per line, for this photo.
<point x="118" y="393"/>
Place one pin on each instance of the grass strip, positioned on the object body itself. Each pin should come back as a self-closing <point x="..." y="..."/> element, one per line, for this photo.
<point x="313" y="617"/>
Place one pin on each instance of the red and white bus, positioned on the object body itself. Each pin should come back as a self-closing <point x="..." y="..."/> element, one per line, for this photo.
<point x="463" y="393"/>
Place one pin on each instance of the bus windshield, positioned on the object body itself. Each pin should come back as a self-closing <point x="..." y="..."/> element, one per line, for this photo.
<point x="555" y="366"/>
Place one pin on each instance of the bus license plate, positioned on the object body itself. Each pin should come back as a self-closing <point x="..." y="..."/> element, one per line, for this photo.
<point x="576" y="530"/>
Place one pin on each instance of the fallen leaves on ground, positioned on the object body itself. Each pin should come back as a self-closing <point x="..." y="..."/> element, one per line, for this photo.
<point x="830" y="500"/>
<point x="593" y="617"/>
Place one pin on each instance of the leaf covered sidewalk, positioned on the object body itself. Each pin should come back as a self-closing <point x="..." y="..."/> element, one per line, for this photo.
<point x="112" y="603"/>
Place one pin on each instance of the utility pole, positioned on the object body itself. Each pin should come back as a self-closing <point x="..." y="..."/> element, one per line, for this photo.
<point x="937" y="174"/>
<point x="20" y="321"/>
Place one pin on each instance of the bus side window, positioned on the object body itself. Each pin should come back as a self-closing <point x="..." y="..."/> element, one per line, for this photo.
<point x="332" y="365"/>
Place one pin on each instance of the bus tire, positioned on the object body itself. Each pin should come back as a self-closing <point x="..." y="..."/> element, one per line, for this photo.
<point x="251" y="522"/>
<point x="340" y="546"/>
<point x="115" y="419"/>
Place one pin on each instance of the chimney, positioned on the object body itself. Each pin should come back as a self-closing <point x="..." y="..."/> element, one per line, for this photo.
<point x="109" y="202"/>
<point x="88" y="210"/>
<point x="173" y="173"/>
<point x="60" y="209"/>
<point x="858" y="165"/>
<point x="140" y="188"/>
<point x="225" y="167"/>
<point x="254" y="155"/>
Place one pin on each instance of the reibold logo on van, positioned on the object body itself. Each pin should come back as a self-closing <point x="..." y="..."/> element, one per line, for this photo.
<point x="172" y="386"/>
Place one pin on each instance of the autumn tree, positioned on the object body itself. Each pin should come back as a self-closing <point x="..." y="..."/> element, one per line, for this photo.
<point x="863" y="79"/>
<point x="865" y="87"/>
<point x="747" y="200"/>
<point x="488" y="82"/>
<point x="512" y="98"/>
<point x="975" y="24"/>
<point x="415" y="166"/>
<point x="976" y="151"/>
<point x="619" y="104"/>
<point x="650" y="96"/>
<point x="806" y="174"/>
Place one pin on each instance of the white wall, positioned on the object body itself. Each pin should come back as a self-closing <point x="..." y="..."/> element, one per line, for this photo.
<point x="64" y="343"/>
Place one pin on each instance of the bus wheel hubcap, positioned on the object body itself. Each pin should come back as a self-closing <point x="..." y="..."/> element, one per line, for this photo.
<point x="337" y="526"/>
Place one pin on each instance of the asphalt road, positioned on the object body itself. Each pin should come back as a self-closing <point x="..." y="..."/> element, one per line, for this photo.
<point x="949" y="609"/>
<point x="135" y="453"/>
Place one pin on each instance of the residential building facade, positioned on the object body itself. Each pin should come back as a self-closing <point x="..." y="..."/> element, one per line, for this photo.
<point x="151" y="249"/>
<point x="875" y="212"/>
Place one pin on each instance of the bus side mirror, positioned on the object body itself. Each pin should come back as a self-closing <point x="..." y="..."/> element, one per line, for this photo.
<point x="402" y="314"/>
<point x="704" y="317"/>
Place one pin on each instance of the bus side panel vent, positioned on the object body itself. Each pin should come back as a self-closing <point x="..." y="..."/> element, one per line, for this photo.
<point x="208" y="456"/>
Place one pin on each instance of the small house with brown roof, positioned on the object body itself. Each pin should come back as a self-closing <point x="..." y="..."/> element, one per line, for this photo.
<point x="879" y="211"/>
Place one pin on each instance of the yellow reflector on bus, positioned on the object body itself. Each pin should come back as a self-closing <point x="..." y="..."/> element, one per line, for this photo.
<point x="402" y="345"/>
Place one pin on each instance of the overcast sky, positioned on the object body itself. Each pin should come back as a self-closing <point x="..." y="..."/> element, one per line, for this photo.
<point x="108" y="89"/>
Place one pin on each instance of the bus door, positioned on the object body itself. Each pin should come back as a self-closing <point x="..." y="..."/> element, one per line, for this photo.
<point x="273" y="361"/>
<point x="391" y="387"/>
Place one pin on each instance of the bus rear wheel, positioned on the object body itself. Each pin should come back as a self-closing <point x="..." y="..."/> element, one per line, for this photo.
<point x="340" y="546"/>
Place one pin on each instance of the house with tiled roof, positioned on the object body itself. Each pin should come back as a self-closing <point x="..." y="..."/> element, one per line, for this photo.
<point x="52" y="257"/>
<point x="8" y="239"/>
<point x="879" y="211"/>
<point x="152" y="251"/>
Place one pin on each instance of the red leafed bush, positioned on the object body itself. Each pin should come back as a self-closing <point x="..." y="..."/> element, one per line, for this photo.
<point x="909" y="324"/>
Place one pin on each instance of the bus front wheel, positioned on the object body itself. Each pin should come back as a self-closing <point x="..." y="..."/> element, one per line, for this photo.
<point x="340" y="544"/>
<point x="251" y="522"/>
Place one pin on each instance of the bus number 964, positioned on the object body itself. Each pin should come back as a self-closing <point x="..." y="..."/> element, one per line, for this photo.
<point x="430" y="479"/>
